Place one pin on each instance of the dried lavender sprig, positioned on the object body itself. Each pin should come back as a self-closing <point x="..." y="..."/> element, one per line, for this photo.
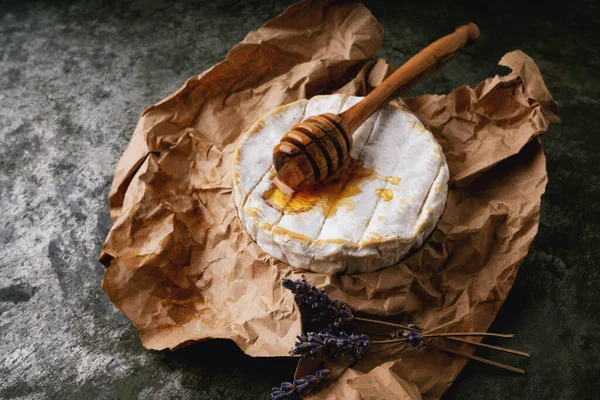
<point x="331" y="346"/>
<point x="305" y="384"/>
<point x="324" y="313"/>
<point x="415" y="339"/>
<point x="354" y="345"/>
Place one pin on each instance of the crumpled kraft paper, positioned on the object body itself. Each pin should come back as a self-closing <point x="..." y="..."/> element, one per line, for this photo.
<point x="182" y="269"/>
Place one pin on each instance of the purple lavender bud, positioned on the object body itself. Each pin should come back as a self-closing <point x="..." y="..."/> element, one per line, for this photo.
<point x="415" y="339"/>
<point x="344" y="344"/>
<point x="298" y="287"/>
<point x="308" y="345"/>
<point x="361" y="345"/>
<point x="341" y="312"/>
<point x="304" y="382"/>
<point x="323" y="374"/>
<point x="286" y="389"/>
<point x="277" y="394"/>
<point x="307" y="383"/>
<point x="323" y="313"/>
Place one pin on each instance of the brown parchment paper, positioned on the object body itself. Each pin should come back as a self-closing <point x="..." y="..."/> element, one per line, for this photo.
<point x="182" y="269"/>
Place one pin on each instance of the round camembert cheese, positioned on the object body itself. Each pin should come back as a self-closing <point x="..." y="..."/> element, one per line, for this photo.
<point x="385" y="204"/>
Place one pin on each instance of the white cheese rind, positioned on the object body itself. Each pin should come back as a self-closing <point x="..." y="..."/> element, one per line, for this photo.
<point x="374" y="231"/>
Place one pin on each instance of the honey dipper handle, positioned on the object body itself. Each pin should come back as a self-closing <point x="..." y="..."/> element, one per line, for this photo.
<point x="419" y="67"/>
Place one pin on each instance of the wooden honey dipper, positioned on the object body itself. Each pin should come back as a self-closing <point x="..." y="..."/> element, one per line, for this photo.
<point x="317" y="148"/>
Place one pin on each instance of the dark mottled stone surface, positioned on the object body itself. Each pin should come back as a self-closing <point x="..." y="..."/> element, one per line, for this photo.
<point x="75" y="76"/>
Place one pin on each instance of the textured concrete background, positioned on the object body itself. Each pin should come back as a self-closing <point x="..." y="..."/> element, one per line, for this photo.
<point x="75" y="76"/>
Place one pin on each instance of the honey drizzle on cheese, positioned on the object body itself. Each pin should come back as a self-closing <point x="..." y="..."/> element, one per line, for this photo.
<point x="373" y="238"/>
<point x="293" y="235"/>
<point x="384" y="194"/>
<point x="393" y="180"/>
<point x="252" y="211"/>
<point x="340" y="242"/>
<point x="333" y="195"/>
